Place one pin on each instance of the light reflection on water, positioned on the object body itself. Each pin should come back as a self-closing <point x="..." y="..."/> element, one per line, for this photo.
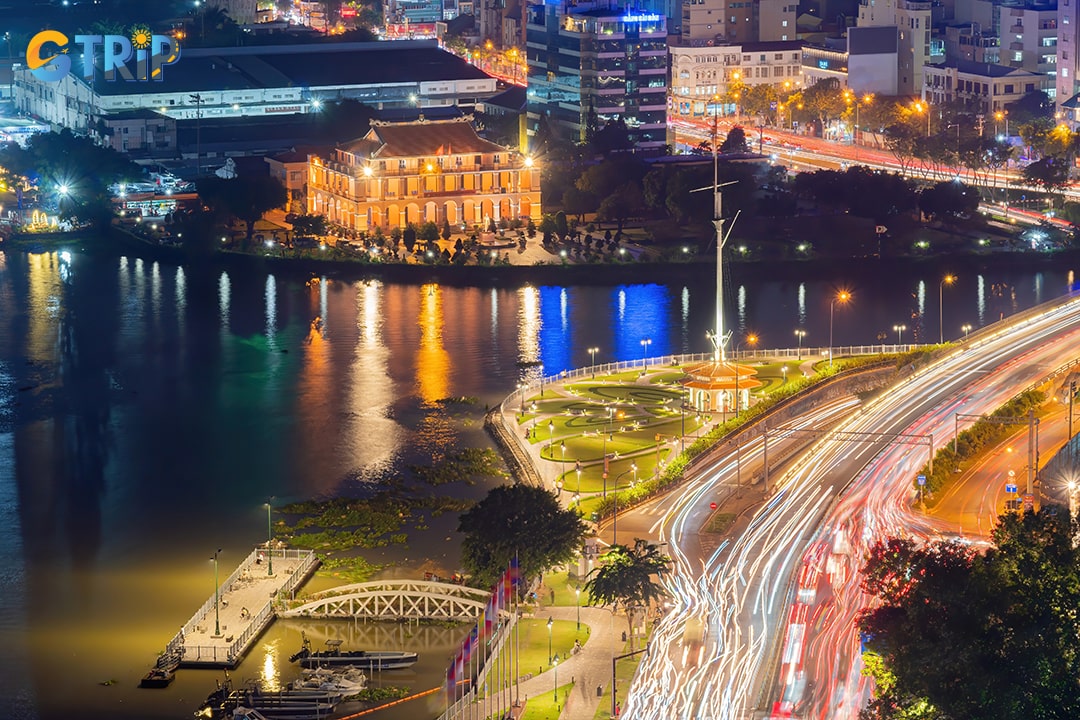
<point x="146" y="412"/>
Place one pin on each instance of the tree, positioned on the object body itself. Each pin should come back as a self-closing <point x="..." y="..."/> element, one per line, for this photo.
<point x="72" y="168"/>
<point x="578" y="202"/>
<point x="622" y="204"/>
<point x="988" y="636"/>
<point x="309" y="225"/>
<point x="1051" y="174"/>
<point x="735" y="142"/>
<point x="522" y="521"/>
<point x="246" y="199"/>
<point x="626" y="578"/>
<point x="408" y="236"/>
<point x="446" y="232"/>
<point x="949" y="199"/>
<point x="613" y="137"/>
<point x="824" y="100"/>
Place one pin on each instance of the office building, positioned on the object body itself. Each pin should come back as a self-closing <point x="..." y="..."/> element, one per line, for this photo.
<point x="912" y="20"/>
<point x="592" y="63"/>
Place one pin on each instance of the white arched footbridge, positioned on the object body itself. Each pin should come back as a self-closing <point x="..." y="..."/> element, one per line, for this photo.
<point x="395" y="600"/>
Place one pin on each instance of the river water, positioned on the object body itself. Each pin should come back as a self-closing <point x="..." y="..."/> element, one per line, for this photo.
<point x="148" y="410"/>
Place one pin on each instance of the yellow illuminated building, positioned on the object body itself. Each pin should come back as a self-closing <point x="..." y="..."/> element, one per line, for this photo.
<point x="423" y="171"/>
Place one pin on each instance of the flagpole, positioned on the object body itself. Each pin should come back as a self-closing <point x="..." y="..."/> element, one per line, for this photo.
<point x="516" y="583"/>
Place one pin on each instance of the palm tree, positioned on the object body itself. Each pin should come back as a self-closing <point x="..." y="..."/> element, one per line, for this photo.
<point x="626" y="578"/>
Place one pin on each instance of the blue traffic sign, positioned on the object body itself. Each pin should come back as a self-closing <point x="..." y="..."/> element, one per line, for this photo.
<point x="921" y="479"/>
<point x="1010" y="488"/>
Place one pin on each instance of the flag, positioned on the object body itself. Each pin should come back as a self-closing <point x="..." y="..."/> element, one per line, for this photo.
<point x="515" y="571"/>
<point x="481" y="624"/>
<point x="507" y="587"/>
<point x="439" y="151"/>
<point x="488" y="613"/>
<point x="451" y="681"/>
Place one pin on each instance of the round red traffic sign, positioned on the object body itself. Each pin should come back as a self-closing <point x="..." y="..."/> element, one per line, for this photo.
<point x="712" y="505"/>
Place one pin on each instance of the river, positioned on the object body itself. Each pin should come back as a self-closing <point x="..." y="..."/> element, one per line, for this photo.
<point x="147" y="411"/>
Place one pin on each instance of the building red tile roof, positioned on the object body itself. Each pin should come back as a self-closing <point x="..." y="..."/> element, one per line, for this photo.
<point x="423" y="138"/>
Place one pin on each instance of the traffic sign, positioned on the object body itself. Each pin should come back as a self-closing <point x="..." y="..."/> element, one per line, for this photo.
<point x="1012" y="473"/>
<point x="921" y="479"/>
<point x="712" y="506"/>
<point x="1010" y="487"/>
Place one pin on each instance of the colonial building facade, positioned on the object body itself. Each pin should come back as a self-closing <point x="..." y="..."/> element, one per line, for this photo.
<point x="423" y="171"/>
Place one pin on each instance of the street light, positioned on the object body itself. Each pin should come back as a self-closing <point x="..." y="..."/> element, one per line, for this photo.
<point x="645" y="352"/>
<point x="217" y="596"/>
<point x="965" y="329"/>
<point x="550" y="622"/>
<point x="842" y="297"/>
<point x="551" y="439"/>
<point x="947" y="280"/>
<point x="899" y="333"/>
<point x="853" y="99"/>
<point x="800" y="334"/>
<point x="615" y="501"/>
<point x="577" y="592"/>
<point x="269" y="538"/>
<point x="924" y="107"/>
<point x="197" y="99"/>
<point x="555" y="667"/>
<point x="521" y="389"/>
<point x="592" y="359"/>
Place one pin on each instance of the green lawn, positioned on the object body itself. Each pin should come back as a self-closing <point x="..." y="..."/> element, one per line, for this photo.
<point x="544" y="706"/>
<point x="624" y="673"/>
<point x="534" y="641"/>
<point x="563" y="584"/>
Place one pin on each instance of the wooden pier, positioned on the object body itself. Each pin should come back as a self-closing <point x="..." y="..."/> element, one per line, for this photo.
<point x="219" y="634"/>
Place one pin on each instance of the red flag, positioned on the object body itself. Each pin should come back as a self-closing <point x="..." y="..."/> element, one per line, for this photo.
<point x="439" y="151"/>
<point x="507" y="585"/>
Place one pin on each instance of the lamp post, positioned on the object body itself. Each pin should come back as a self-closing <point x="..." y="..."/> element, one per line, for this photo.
<point x="550" y="622"/>
<point x="924" y="107"/>
<point x="197" y="99"/>
<point x="842" y="297"/>
<point x="577" y="592"/>
<point x="577" y="493"/>
<point x="751" y="339"/>
<point x="947" y="280"/>
<point x="645" y="353"/>
<point x="551" y="440"/>
<point x="965" y="329"/>
<point x="521" y="389"/>
<point x="555" y="667"/>
<point x="615" y="500"/>
<point x="217" y="596"/>
<point x="899" y="333"/>
<point x="800" y="334"/>
<point x="269" y="538"/>
<point x="592" y="359"/>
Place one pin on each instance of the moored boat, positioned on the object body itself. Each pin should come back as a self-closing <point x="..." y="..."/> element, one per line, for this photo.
<point x="366" y="659"/>
<point x="157" y="678"/>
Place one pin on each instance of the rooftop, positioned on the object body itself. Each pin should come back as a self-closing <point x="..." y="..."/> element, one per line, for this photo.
<point x="422" y="138"/>
<point x="970" y="67"/>
<point x="309" y="66"/>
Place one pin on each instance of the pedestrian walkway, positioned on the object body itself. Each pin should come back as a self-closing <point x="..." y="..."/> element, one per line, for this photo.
<point x="588" y="669"/>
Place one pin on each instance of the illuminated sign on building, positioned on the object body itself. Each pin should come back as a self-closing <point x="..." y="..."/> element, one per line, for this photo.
<point x="641" y="18"/>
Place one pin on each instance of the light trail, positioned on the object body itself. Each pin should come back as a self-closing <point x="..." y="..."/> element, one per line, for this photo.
<point x="781" y="599"/>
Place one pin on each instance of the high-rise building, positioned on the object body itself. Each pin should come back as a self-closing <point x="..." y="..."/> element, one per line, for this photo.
<point x="596" y="62"/>
<point x="1068" y="61"/>
<point x="738" y="21"/>
<point x="911" y="18"/>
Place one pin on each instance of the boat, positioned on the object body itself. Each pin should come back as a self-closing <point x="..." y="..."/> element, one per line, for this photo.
<point x="286" y="704"/>
<point x="164" y="670"/>
<point x="369" y="660"/>
<point x="348" y="680"/>
<point x="157" y="678"/>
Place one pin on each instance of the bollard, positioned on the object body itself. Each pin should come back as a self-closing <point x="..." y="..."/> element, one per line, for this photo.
<point x="599" y="691"/>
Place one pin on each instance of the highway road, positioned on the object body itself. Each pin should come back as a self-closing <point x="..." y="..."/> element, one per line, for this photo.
<point x="853" y="487"/>
<point x="971" y="507"/>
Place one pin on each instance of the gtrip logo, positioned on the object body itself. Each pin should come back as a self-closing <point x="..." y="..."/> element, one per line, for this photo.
<point x="48" y="58"/>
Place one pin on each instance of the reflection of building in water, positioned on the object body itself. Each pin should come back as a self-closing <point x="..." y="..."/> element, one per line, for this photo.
<point x="529" y="325"/>
<point x="371" y="435"/>
<point x="432" y="360"/>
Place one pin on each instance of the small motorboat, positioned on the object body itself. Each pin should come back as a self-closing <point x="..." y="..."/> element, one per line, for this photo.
<point x="157" y="678"/>
<point x="369" y="660"/>
<point x="164" y="670"/>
